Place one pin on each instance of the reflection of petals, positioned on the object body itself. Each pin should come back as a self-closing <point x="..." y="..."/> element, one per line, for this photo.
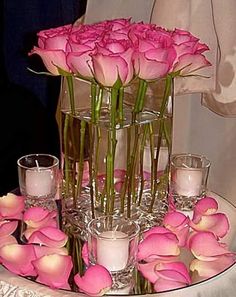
<point x="95" y="282"/>
<point x="85" y="253"/>
<point x="205" y="246"/>
<point x="17" y="258"/>
<point x="7" y="227"/>
<point x="54" y="270"/>
<point x="11" y="206"/>
<point x="175" y="271"/>
<point x="216" y="223"/>
<point x="49" y="236"/>
<point x="148" y="270"/>
<point x="158" y="245"/>
<point x="164" y="285"/>
<point x="208" y="269"/>
<point x="165" y="276"/>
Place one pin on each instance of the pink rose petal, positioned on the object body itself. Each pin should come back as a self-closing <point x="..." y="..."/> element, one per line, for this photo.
<point x="156" y="246"/>
<point x="11" y="206"/>
<point x="49" y="236"/>
<point x="7" y="227"/>
<point x="205" y="246"/>
<point x="7" y="240"/>
<point x="95" y="282"/>
<point x="217" y="223"/>
<point x="54" y="270"/>
<point x="18" y="259"/>
<point x="206" y="269"/>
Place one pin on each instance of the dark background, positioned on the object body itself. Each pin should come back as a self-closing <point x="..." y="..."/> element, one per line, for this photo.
<point x="28" y="101"/>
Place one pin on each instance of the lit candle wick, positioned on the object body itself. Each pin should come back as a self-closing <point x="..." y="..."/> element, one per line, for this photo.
<point x="37" y="165"/>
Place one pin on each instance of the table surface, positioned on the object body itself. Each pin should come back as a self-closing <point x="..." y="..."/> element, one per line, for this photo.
<point x="222" y="285"/>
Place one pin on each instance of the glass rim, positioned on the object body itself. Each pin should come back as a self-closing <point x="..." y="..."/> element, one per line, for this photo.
<point x="98" y="235"/>
<point x="207" y="162"/>
<point x="56" y="160"/>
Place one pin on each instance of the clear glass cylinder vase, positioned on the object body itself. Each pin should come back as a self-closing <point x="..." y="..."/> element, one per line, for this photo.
<point x="115" y="159"/>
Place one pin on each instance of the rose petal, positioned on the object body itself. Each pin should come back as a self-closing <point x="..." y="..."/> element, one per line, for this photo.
<point x="11" y="206"/>
<point x="217" y="223"/>
<point x="157" y="246"/>
<point x="41" y="251"/>
<point x="7" y="227"/>
<point x="208" y="269"/>
<point x="17" y="258"/>
<point x="7" y="240"/>
<point x="54" y="270"/>
<point x="95" y="282"/>
<point x="205" y="246"/>
<point x="49" y="236"/>
<point x="36" y="217"/>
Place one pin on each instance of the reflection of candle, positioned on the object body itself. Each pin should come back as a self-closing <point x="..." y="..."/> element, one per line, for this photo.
<point x="162" y="158"/>
<point x="188" y="182"/>
<point x="38" y="181"/>
<point x="113" y="250"/>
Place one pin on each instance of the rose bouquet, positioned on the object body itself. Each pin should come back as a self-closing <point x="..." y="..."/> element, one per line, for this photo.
<point x="44" y="258"/>
<point x="112" y="57"/>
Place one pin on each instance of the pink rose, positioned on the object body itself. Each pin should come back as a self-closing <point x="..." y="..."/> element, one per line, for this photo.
<point x="53" y="48"/>
<point x="154" y="52"/>
<point x="113" y="60"/>
<point x="82" y="43"/>
<point x="189" y="52"/>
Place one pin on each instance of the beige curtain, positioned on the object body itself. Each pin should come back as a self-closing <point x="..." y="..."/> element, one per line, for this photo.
<point x="213" y="21"/>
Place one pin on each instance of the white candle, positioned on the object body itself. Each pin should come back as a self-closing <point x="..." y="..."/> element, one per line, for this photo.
<point x="38" y="181"/>
<point x="113" y="250"/>
<point x="188" y="182"/>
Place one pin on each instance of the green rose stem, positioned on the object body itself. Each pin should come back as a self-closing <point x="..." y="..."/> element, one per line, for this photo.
<point x="111" y="152"/>
<point x="91" y="170"/>
<point x="141" y="156"/>
<point x="151" y="140"/>
<point x="124" y="187"/>
<point x="81" y="158"/>
<point x="120" y="109"/>
<point x="65" y="136"/>
<point x="97" y="152"/>
<point x="91" y="144"/>
<point x="130" y="171"/>
<point x="139" y="102"/>
<point x="67" y="125"/>
<point x="167" y="90"/>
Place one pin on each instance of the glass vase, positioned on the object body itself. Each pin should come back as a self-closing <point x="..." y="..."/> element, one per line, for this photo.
<point x="116" y="164"/>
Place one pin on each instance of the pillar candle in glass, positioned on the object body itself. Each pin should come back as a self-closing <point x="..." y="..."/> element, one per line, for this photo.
<point x="112" y="243"/>
<point x="38" y="178"/>
<point x="188" y="183"/>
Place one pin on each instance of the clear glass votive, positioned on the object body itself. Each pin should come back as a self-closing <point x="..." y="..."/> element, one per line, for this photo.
<point x="188" y="182"/>
<point x="38" y="179"/>
<point x="112" y="243"/>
